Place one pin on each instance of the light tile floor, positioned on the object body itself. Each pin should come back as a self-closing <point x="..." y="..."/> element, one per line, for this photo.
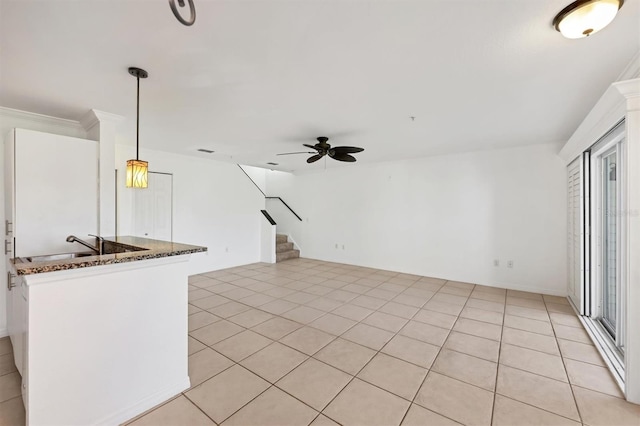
<point x="308" y="342"/>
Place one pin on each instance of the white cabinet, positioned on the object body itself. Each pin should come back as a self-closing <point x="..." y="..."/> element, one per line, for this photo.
<point x="18" y="321"/>
<point x="51" y="190"/>
<point x="17" y="304"/>
<point x="16" y="318"/>
<point x="9" y="193"/>
<point x="105" y="343"/>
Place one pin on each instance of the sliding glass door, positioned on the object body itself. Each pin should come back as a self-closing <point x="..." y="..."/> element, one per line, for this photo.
<point x="607" y="279"/>
<point x="609" y="242"/>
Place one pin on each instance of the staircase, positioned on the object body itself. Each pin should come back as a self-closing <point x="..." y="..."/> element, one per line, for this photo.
<point x="284" y="249"/>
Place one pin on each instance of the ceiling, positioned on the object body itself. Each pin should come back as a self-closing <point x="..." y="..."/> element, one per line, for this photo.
<point x="254" y="78"/>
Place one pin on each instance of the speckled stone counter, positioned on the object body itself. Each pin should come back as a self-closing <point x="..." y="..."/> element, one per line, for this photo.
<point x="153" y="249"/>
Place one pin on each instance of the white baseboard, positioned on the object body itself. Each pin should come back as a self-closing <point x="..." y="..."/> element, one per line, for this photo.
<point x="295" y="245"/>
<point x="531" y="289"/>
<point x="562" y="292"/>
<point x="145" y="404"/>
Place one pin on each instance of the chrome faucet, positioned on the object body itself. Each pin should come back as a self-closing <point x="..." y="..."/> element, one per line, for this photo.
<point x="100" y="243"/>
<point x="74" y="239"/>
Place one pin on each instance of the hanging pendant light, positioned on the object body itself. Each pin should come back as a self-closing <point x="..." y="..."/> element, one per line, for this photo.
<point x="137" y="169"/>
<point x="585" y="17"/>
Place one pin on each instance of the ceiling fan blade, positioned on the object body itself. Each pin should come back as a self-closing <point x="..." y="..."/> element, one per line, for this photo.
<point x="301" y="152"/>
<point x="347" y="149"/>
<point x="315" y="158"/>
<point x="310" y="146"/>
<point x="344" y="157"/>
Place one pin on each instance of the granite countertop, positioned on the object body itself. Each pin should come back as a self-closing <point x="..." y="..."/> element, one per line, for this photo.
<point x="153" y="249"/>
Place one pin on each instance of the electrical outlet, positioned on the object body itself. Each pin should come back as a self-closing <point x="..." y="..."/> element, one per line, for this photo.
<point x="336" y="245"/>
<point x="509" y="263"/>
<point x="343" y="247"/>
<point x="226" y="249"/>
<point x="496" y="262"/>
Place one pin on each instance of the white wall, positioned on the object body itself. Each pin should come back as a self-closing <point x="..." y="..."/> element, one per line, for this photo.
<point x="446" y="216"/>
<point x="214" y="205"/>
<point x="257" y="175"/>
<point x="9" y="119"/>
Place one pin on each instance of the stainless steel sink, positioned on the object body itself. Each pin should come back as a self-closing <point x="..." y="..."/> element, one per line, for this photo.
<point x="61" y="256"/>
<point x="107" y="248"/>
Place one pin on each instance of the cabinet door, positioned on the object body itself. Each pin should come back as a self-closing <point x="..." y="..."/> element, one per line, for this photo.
<point x="56" y="192"/>
<point x="11" y="325"/>
<point x="18" y="322"/>
<point x="9" y="191"/>
<point x="24" y="336"/>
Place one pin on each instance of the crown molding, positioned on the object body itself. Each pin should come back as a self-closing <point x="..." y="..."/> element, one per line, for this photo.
<point x="620" y="97"/>
<point x="94" y="116"/>
<point x="16" y="114"/>
<point x="630" y="89"/>
<point x="632" y="70"/>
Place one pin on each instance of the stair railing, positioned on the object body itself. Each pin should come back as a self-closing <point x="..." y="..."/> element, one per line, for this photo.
<point x="268" y="217"/>
<point x="286" y="205"/>
<point x="269" y="198"/>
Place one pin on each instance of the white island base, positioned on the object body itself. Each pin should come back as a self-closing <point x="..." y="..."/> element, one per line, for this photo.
<point x="104" y="343"/>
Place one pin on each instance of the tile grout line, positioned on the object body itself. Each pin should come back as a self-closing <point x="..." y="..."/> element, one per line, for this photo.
<point x="240" y="408"/>
<point x="566" y="372"/>
<point x="309" y="356"/>
<point x="551" y="378"/>
<point x="353" y="377"/>
<point x="429" y="370"/>
<point x="395" y="333"/>
<point x="364" y="366"/>
<point x="495" y="385"/>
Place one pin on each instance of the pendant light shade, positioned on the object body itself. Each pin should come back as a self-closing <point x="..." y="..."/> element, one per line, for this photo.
<point x="585" y="17"/>
<point x="137" y="170"/>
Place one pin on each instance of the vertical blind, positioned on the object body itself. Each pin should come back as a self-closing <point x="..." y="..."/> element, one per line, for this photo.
<point x="574" y="242"/>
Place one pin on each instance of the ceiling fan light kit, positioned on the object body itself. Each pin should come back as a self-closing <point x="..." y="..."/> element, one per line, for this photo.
<point x="585" y="17"/>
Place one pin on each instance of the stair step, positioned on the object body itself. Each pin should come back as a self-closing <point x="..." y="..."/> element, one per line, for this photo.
<point x="282" y="247"/>
<point x="286" y="255"/>
<point x="281" y="238"/>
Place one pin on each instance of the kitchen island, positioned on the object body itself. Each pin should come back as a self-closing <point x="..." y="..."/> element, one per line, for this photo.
<point x="102" y="338"/>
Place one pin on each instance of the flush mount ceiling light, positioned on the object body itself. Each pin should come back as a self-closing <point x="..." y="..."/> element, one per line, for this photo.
<point x="585" y="17"/>
<point x="137" y="169"/>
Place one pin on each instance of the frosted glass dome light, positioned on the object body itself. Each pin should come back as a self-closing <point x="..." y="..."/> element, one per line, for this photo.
<point x="585" y="17"/>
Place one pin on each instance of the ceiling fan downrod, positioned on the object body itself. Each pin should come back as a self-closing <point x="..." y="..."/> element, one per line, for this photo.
<point x="192" y="8"/>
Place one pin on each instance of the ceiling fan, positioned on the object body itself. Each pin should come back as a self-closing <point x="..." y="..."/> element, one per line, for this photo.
<point x="340" y="153"/>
